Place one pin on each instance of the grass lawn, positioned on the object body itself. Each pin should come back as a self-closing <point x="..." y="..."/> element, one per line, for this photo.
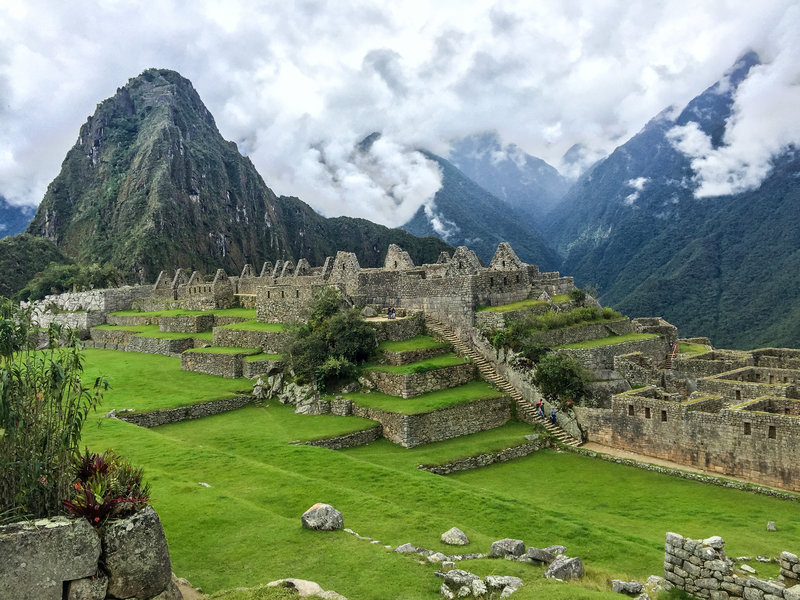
<point x="225" y="350"/>
<point x="420" y="342"/>
<point x="609" y="341"/>
<point x="263" y="356"/>
<point x="521" y="305"/>
<point x="244" y="530"/>
<point x="429" y="364"/>
<point x="152" y="381"/>
<point x="475" y="390"/>
<point x="254" y="326"/>
<point x="685" y="348"/>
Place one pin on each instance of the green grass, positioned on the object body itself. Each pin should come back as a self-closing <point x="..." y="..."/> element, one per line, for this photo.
<point x="247" y="313"/>
<point x="225" y="350"/>
<point x="263" y="356"/>
<point x="609" y="341"/>
<point x="429" y="364"/>
<point x="521" y="305"/>
<point x="420" y="342"/>
<point x="152" y="331"/>
<point x="245" y="529"/>
<point x="254" y="326"/>
<point x="206" y="336"/>
<point x="151" y="381"/>
<point x="476" y="390"/>
<point x="685" y="348"/>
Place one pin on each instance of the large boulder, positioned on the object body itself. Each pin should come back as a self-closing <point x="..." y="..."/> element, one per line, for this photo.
<point x="37" y="557"/>
<point x="136" y="556"/>
<point x="322" y="517"/>
<point x="88" y="588"/>
<point x="537" y="556"/>
<point x="631" y="588"/>
<point x="505" y="584"/>
<point x="565" y="568"/>
<point x="455" y="537"/>
<point x="305" y="588"/>
<point x="507" y="547"/>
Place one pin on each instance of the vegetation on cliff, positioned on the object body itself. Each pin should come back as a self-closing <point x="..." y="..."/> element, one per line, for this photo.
<point x="23" y="256"/>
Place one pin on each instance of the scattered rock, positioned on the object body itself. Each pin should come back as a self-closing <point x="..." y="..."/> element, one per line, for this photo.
<point x="771" y="526"/>
<point x="112" y="414"/>
<point x="764" y="559"/>
<point x="507" y="547"/>
<point x="172" y="592"/>
<point x="537" y="556"/>
<point x="455" y="537"/>
<point x="368" y="312"/>
<point x="406" y="548"/>
<point x="556" y="549"/>
<point x="322" y="517"/>
<point x="655" y="583"/>
<point x="532" y="436"/>
<point x="448" y="565"/>
<point x="747" y="569"/>
<point x="565" y="568"/>
<point x="458" y="578"/>
<point x="631" y="588"/>
<point x="306" y="588"/>
<point x="204" y="484"/>
<point x="366" y="383"/>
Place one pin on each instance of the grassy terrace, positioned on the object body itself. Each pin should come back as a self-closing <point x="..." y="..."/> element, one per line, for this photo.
<point x="225" y="350"/>
<point x="244" y="530"/>
<point x="247" y="313"/>
<point x="420" y="342"/>
<point x="437" y="362"/>
<point x="254" y="326"/>
<point x="263" y="356"/>
<point x="152" y="331"/>
<point x="522" y="304"/>
<point x="685" y="348"/>
<point x="166" y="385"/>
<point x="609" y="341"/>
<point x="475" y="390"/>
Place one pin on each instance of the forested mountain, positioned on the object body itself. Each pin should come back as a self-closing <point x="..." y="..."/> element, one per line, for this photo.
<point x="151" y="184"/>
<point x="463" y="213"/>
<point x="528" y="184"/>
<point x="14" y="219"/>
<point x="727" y="267"/>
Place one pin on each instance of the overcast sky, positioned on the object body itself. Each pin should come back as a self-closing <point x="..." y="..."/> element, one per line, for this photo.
<point x="296" y="82"/>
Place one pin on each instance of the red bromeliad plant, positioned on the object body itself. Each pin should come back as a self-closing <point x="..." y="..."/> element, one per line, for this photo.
<point x="106" y="486"/>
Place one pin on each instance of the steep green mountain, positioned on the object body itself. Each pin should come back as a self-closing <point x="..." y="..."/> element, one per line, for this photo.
<point x="151" y="184"/>
<point x="726" y="267"/>
<point x="526" y="183"/>
<point x="21" y="257"/>
<point x="14" y="219"/>
<point x="463" y="213"/>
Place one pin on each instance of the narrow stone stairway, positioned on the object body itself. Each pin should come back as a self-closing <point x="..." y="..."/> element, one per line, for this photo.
<point x="489" y="373"/>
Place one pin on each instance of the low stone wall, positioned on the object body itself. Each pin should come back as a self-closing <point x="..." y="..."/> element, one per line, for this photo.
<point x="413" y="384"/>
<point x="127" y="320"/>
<point x="111" y="336"/>
<point x="254" y="368"/>
<point x="589" y="331"/>
<point x="149" y="345"/>
<point x="268" y="341"/>
<point x="349" y="440"/>
<point x="186" y="323"/>
<point x="602" y="358"/>
<point x="222" y="365"/>
<point x="399" y="329"/>
<point x="60" y="557"/>
<point x="498" y="320"/>
<point x="488" y="458"/>
<point x="424" y="428"/>
<point x="412" y="356"/>
<point x="701" y="568"/>
<point x="184" y="413"/>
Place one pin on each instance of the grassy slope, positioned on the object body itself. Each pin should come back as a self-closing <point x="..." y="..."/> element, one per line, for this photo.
<point x="610" y="340"/>
<point x="245" y="529"/>
<point x="475" y="390"/>
<point x="420" y="342"/>
<point x="437" y="362"/>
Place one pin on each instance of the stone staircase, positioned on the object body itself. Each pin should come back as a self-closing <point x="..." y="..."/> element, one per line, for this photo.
<point x="671" y="356"/>
<point x="489" y="373"/>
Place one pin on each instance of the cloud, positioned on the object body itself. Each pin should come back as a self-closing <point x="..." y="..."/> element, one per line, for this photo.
<point x="299" y="85"/>
<point x="761" y="125"/>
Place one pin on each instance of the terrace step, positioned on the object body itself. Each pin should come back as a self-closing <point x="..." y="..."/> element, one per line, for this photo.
<point x="489" y="372"/>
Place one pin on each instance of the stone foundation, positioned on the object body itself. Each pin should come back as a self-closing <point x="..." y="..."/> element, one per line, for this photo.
<point x="413" y="384"/>
<point x="184" y="413"/>
<point x="222" y="365"/>
<point x="269" y="341"/>
<point x="349" y="440"/>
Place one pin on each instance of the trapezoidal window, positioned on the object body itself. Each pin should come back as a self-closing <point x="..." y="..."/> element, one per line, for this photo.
<point x="646" y="412"/>
<point x="282" y="294"/>
<point x="267" y="293"/>
<point x="738" y="395"/>
<point x="771" y="433"/>
<point x="630" y="410"/>
<point x="491" y="281"/>
<point x="297" y="293"/>
<point x="664" y="416"/>
<point x="747" y="429"/>
<point x="517" y="278"/>
<point x="395" y="264"/>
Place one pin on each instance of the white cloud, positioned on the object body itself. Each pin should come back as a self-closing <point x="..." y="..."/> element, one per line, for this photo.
<point x="293" y="82"/>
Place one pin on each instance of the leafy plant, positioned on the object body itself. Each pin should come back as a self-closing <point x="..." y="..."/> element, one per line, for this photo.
<point x="562" y="380"/>
<point x="44" y="403"/>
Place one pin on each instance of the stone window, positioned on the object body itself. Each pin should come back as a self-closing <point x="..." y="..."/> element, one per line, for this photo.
<point x="630" y="410"/>
<point x="297" y="293"/>
<point x="646" y="412"/>
<point x="268" y="293"/>
<point x="491" y="281"/>
<point x="282" y="294"/>
<point x="517" y="278"/>
<point x="747" y="429"/>
<point x="771" y="433"/>
<point x="505" y="280"/>
<point x="738" y="395"/>
<point x="664" y="416"/>
<point x="504" y="264"/>
<point x="395" y="264"/>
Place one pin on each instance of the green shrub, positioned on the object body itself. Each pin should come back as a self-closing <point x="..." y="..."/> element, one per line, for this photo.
<point x="577" y="295"/>
<point x="57" y="278"/>
<point x="562" y="380"/>
<point x="44" y="403"/>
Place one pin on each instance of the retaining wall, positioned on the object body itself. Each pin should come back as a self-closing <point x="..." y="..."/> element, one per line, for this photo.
<point x="413" y="384"/>
<point x="222" y="365"/>
<point x="488" y="458"/>
<point x="184" y="413"/>
<point x="602" y="357"/>
<point x="349" y="440"/>
<point x="412" y="356"/>
<point x="269" y="341"/>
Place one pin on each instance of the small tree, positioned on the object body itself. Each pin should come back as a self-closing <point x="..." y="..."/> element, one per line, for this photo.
<point x="44" y="403"/>
<point x="561" y="379"/>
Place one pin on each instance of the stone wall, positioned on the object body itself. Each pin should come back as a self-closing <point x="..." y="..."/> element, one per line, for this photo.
<point x="349" y="440"/>
<point x="127" y="320"/>
<point x="412" y="356"/>
<point x="589" y="331"/>
<point x="269" y="341"/>
<point x="186" y="323"/>
<point x="254" y="368"/>
<point x="222" y="365"/>
<point x="602" y="357"/>
<point x="760" y="447"/>
<point x="424" y="428"/>
<point x="701" y="568"/>
<point x="184" y="413"/>
<point x="167" y="347"/>
<point x="413" y="384"/>
<point x="488" y="458"/>
<point x="711" y="363"/>
<point x="103" y="301"/>
<point x="498" y="320"/>
<point x="60" y="557"/>
<point x="112" y="336"/>
<point x="399" y="329"/>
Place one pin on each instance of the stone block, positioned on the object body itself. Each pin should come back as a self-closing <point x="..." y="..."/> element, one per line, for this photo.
<point x="674" y="579"/>
<point x="792" y="593"/>
<point x="136" y="556"/>
<point x="38" y="557"/>
<point x="89" y="588"/>
<point x="507" y="547"/>
<point x="707" y="583"/>
<point x="732" y="588"/>
<point x="322" y="517"/>
<point x="753" y="594"/>
<point x="690" y="568"/>
<point x="565" y="568"/>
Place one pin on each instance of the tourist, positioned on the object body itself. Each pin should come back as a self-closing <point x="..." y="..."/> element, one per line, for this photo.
<point x="389" y="313"/>
<point x="553" y="416"/>
<point x="394" y="313"/>
<point x="540" y="408"/>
